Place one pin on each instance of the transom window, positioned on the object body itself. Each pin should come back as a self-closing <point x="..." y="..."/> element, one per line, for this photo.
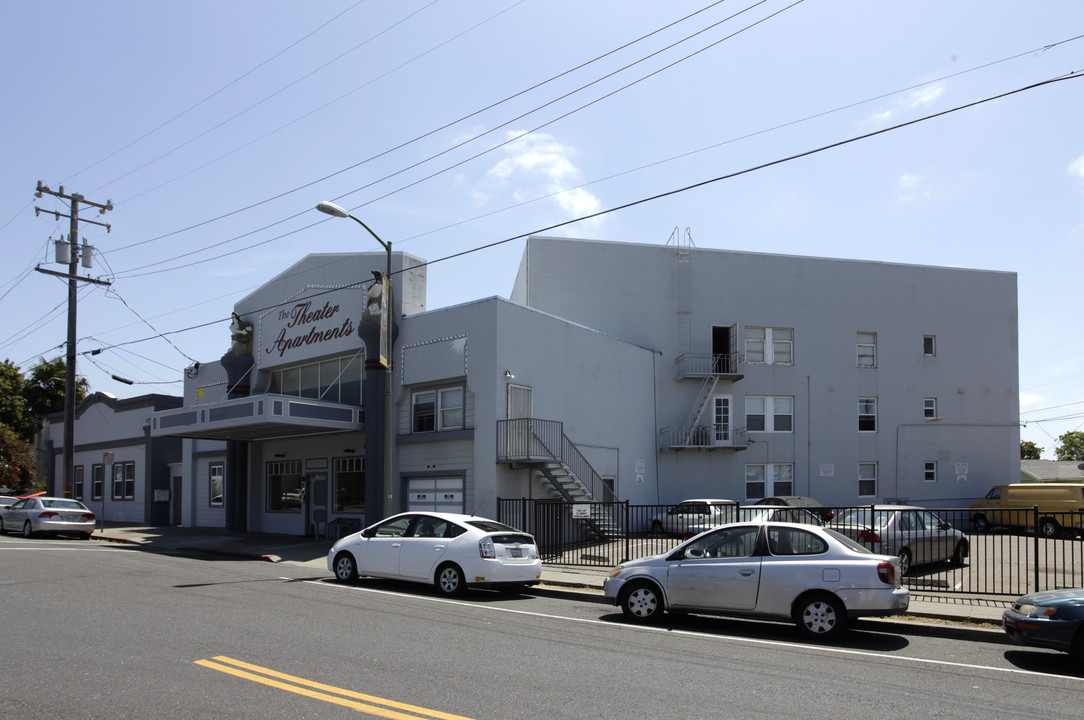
<point x="769" y="346"/>
<point x="437" y="410"/>
<point x="867" y="350"/>
<point x="766" y="413"/>
<point x="335" y="380"/>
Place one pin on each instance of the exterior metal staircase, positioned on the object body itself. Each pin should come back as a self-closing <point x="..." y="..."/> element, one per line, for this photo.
<point x="543" y="446"/>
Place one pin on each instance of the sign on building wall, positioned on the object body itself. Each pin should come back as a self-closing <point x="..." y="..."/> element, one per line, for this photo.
<point x="317" y="323"/>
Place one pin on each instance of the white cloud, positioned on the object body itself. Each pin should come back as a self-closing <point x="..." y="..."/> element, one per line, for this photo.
<point x="1076" y="168"/>
<point x="911" y="187"/>
<point x="924" y="96"/>
<point x="1029" y="399"/>
<point x="536" y="166"/>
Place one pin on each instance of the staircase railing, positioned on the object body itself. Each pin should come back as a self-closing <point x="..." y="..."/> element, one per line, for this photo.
<point x="532" y="440"/>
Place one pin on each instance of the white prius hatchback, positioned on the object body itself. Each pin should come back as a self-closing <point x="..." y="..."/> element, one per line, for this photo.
<point x="448" y="550"/>
<point x="815" y="577"/>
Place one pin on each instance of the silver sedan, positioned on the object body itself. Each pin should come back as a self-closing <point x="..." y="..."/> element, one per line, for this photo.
<point x="48" y="515"/>
<point x="812" y="576"/>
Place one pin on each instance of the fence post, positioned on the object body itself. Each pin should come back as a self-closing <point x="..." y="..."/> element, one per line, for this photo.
<point x="627" y="529"/>
<point x="1035" y="524"/>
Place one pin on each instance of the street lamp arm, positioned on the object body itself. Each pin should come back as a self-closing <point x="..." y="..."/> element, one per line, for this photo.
<point x="330" y="208"/>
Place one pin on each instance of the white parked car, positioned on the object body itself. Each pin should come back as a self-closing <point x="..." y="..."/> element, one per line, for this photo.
<point x="762" y="513"/>
<point x="449" y="550"/>
<point x="815" y="577"/>
<point x="699" y="511"/>
<point x="42" y="514"/>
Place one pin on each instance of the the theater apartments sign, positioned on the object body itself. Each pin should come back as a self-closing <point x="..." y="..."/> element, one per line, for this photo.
<point x="316" y="324"/>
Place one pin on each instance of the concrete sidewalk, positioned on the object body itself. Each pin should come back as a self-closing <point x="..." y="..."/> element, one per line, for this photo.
<point x="976" y="612"/>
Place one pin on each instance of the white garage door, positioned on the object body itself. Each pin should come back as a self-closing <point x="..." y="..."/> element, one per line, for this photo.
<point x="440" y="494"/>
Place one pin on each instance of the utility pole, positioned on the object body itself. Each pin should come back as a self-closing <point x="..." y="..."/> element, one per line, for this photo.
<point x="73" y="286"/>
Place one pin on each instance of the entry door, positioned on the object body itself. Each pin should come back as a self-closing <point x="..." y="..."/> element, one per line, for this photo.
<point x="724" y="348"/>
<point x="722" y="405"/>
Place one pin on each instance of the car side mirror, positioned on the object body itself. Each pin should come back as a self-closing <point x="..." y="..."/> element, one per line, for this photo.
<point x="367" y="533"/>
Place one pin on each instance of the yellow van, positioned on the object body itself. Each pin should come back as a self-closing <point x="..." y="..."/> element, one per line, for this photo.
<point x="1061" y="507"/>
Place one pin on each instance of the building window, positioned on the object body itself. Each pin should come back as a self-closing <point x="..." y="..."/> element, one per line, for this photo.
<point x="929" y="473"/>
<point x="929" y="408"/>
<point x="769" y="346"/>
<point x="929" y="345"/>
<point x="217" y="483"/>
<point x="97" y="481"/>
<point x="867" y="350"/>
<point x="349" y="485"/>
<point x="758" y="475"/>
<point x="867" y="479"/>
<point x="124" y="481"/>
<point x="765" y="413"/>
<point x="284" y="486"/>
<point x="78" y="482"/>
<point x="867" y="414"/>
<point x="337" y="380"/>
<point x="437" y="410"/>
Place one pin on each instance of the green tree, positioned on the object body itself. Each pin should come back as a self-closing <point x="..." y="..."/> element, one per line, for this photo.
<point x="1071" y="447"/>
<point x="1029" y="450"/>
<point x="13" y="401"/>
<point x="16" y="462"/>
<point x="44" y="391"/>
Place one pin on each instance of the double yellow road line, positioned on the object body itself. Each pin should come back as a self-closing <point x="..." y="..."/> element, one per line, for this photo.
<point x="319" y="691"/>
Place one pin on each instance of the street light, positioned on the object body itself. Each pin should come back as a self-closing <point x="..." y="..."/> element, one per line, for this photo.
<point x="330" y="208"/>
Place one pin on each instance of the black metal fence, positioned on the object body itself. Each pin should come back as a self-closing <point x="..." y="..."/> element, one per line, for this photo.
<point x="945" y="551"/>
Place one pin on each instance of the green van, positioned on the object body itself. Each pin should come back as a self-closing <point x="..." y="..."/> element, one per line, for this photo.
<point x="1061" y="508"/>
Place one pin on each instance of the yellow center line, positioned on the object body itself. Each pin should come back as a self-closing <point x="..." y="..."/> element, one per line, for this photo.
<point x="266" y="678"/>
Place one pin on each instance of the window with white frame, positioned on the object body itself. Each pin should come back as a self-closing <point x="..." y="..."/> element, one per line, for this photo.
<point x="867" y="350"/>
<point x="769" y="346"/>
<point x="437" y="410"/>
<point x="124" y="481"/>
<point x="929" y="345"/>
<point x="349" y="485"/>
<point x="929" y="408"/>
<point x="867" y="479"/>
<point x="867" y="414"/>
<point x="768" y="413"/>
<point x="758" y="476"/>
<point x="97" y="481"/>
<point x="216" y="480"/>
<point x="77" y="480"/>
<point x="929" y="471"/>
<point x="284" y="486"/>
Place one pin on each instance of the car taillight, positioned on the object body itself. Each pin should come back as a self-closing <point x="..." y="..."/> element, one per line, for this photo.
<point x="869" y="536"/>
<point x="48" y="514"/>
<point x="886" y="571"/>
<point x="486" y="549"/>
<point x="88" y="517"/>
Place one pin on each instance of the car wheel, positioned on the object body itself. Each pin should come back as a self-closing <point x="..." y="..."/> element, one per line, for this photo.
<point x="905" y="561"/>
<point x="959" y="555"/>
<point x="346" y="568"/>
<point x="980" y="523"/>
<point x="1049" y="528"/>
<point x="449" y="580"/>
<point x="27" y="530"/>
<point x="820" y="616"/>
<point x="641" y="602"/>
<point x="84" y="536"/>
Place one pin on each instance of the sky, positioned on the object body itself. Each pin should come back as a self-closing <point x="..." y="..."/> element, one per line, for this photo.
<point x="214" y="128"/>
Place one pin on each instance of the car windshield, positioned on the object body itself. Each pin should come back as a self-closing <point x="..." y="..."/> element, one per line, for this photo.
<point x="848" y="543"/>
<point x="491" y="526"/>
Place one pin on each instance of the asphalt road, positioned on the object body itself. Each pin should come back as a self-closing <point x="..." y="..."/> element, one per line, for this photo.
<point x="94" y="631"/>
